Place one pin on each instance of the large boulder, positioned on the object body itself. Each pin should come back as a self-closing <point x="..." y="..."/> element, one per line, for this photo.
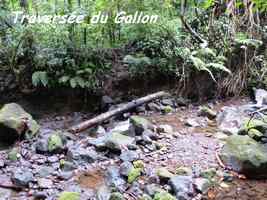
<point x="15" y="122"/>
<point x="245" y="155"/>
<point x="230" y="119"/>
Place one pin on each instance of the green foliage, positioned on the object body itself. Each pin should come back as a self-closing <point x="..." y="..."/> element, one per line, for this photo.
<point x="39" y="78"/>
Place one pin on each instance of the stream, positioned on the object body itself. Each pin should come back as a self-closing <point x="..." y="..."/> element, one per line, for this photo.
<point x="191" y="147"/>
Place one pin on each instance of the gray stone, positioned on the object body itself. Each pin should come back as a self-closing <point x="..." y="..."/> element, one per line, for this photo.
<point x="15" y="122"/>
<point x="103" y="193"/>
<point x="45" y="171"/>
<point x="192" y="123"/>
<point x="152" y="135"/>
<point x="167" y="102"/>
<point x="245" y="155"/>
<point x="202" y="185"/>
<point x="153" y="107"/>
<point x="207" y="112"/>
<point x="182" y="187"/>
<point x="116" y="196"/>
<point x="230" y="120"/>
<point x="44" y="183"/>
<point x="22" y="177"/>
<point x="152" y="189"/>
<point x="41" y="146"/>
<point x="106" y="102"/>
<point x="81" y="155"/>
<point x="125" y="168"/>
<point x="164" y="174"/>
<point x="129" y="156"/>
<point x="5" y="194"/>
<point x="114" y="179"/>
<point x="140" y="124"/>
<point x="68" y="166"/>
<point x="116" y="141"/>
<point x="124" y="128"/>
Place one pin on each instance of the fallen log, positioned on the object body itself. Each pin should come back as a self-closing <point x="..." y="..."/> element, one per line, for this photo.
<point x="102" y="117"/>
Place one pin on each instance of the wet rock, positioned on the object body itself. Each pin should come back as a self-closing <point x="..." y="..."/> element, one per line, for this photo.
<point x="103" y="193"/>
<point x="167" y="102"/>
<point x="124" y="128"/>
<point x="135" y="189"/>
<point x="141" y="109"/>
<point x="180" y="101"/>
<point x="164" y="196"/>
<point x="45" y="171"/>
<point x="152" y="189"/>
<point x="134" y="174"/>
<point x="125" y="168"/>
<point x="5" y="194"/>
<point x="152" y="135"/>
<point x="207" y="112"/>
<point x="100" y="131"/>
<point x="164" y="174"/>
<point x="192" y="123"/>
<point x="230" y="120"/>
<point x="65" y="175"/>
<point x="184" y="171"/>
<point x="81" y="155"/>
<point x="55" y="143"/>
<point x="116" y="141"/>
<point x="40" y="196"/>
<point x="14" y="155"/>
<point x="228" y="177"/>
<point x="16" y="122"/>
<point x="129" y="156"/>
<point x="52" y="159"/>
<point x="255" y="128"/>
<point x="208" y="173"/>
<point x="153" y="107"/>
<point x="41" y="146"/>
<point x="2" y="163"/>
<point x="67" y="166"/>
<point x="114" y="179"/>
<point x="106" y="102"/>
<point x="139" y="164"/>
<point x="99" y="142"/>
<point x="167" y="109"/>
<point x="202" y="185"/>
<point x="116" y="196"/>
<point x="22" y="177"/>
<point x="220" y="136"/>
<point x="255" y="134"/>
<point x="245" y="155"/>
<point x="145" y="197"/>
<point x="140" y="124"/>
<point x="182" y="187"/>
<point x="69" y="196"/>
<point x="260" y="97"/>
<point x="44" y="183"/>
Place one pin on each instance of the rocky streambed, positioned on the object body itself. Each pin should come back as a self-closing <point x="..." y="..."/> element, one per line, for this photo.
<point x="167" y="149"/>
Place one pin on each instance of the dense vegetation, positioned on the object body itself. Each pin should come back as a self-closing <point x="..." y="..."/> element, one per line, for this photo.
<point x="223" y="39"/>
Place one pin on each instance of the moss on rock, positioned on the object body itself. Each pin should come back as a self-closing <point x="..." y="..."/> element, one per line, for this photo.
<point x="55" y="143"/>
<point x="69" y="196"/>
<point x="134" y="174"/>
<point x="163" y="196"/>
